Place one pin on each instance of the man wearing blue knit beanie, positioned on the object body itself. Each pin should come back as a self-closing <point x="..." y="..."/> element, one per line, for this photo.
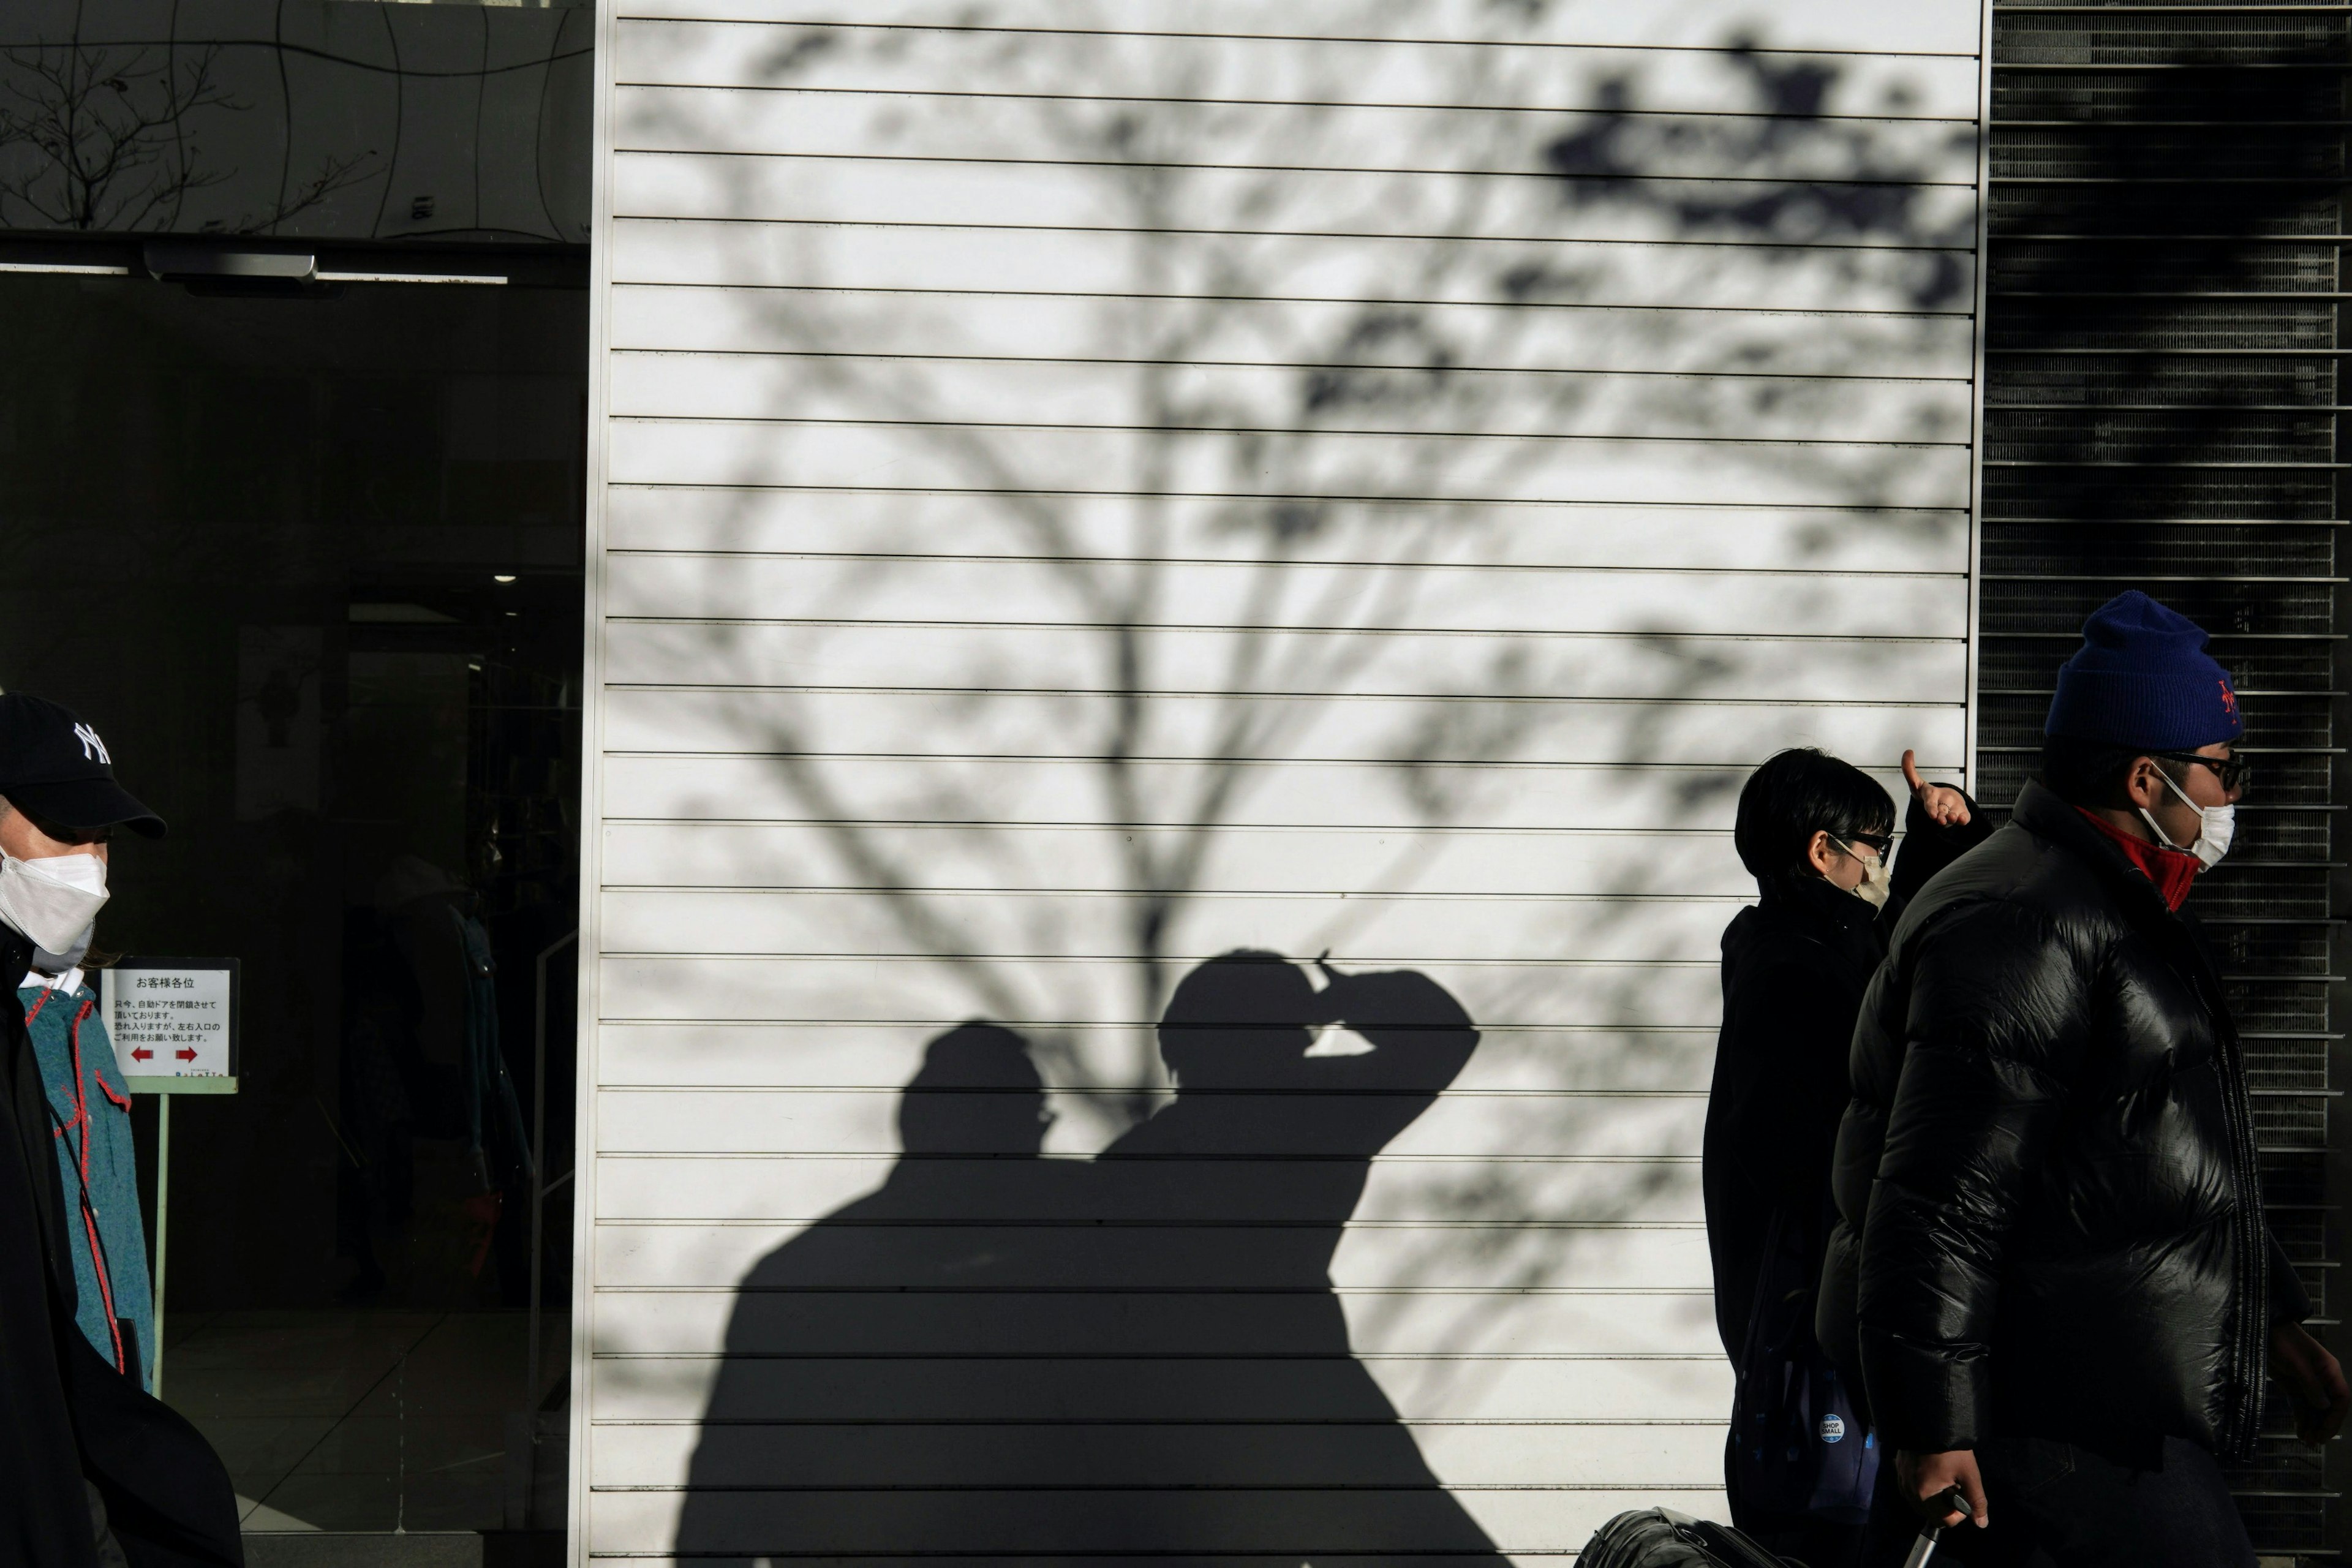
<point x="2051" y="1270"/>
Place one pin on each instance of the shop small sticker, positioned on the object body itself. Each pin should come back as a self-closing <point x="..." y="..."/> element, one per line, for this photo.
<point x="1832" y="1428"/>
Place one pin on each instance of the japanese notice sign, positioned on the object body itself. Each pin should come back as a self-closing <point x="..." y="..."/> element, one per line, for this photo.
<point x="173" y="1022"/>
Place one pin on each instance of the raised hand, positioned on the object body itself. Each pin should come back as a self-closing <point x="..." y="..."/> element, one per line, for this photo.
<point x="1945" y="806"/>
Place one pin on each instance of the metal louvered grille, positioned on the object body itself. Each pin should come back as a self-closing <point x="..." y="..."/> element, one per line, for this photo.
<point x="2162" y="411"/>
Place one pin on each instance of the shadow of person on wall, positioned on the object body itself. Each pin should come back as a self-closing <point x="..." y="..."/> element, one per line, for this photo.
<point x="1267" y="1433"/>
<point x="998" y="1354"/>
<point x="864" y="1372"/>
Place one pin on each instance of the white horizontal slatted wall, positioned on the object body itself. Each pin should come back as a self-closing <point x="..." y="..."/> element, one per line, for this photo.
<point x="1091" y="484"/>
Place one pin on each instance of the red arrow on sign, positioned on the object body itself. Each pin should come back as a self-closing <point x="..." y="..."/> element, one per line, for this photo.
<point x="142" y="1054"/>
<point x="187" y="1056"/>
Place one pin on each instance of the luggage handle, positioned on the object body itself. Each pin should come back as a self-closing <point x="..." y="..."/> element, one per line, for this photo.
<point x="1954" y="1500"/>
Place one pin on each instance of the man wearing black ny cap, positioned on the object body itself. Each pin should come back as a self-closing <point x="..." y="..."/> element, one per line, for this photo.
<point x="92" y="1470"/>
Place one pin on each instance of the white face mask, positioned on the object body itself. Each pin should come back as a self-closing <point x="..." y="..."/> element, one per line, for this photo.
<point x="52" y="899"/>
<point x="2216" y="826"/>
<point x="1877" y="883"/>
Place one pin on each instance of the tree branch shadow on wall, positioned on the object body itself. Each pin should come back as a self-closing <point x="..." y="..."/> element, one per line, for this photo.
<point x="1337" y="462"/>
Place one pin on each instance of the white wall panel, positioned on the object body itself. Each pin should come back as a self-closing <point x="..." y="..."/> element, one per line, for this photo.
<point x="795" y="857"/>
<point x="1548" y="1522"/>
<point x="880" y="655"/>
<point x="1585" y="405"/>
<point x="934" y="126"/>
<point x="1823" y="541"/>
<point x="955" y="724"/>
<point x="1684" y="276"/>
<point x="848" y="990"/>
<point x="711" y="1054"/>
<point x="1334" y="794"/>
<point x="1441" y="595"/>
<point x="1002" y="932"/>
<point x="1831" y="26"/>
<point x="1256" y="326"/>
<point x="1316" y="66"/>
<point x="1090" y="485"/>
<point x="1041" y="194"/>
<point x="733" y="1186"/>
<point x="1619" y="1454"/>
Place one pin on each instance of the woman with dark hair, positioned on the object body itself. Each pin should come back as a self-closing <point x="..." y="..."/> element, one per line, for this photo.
<point x="1817" y="835"/>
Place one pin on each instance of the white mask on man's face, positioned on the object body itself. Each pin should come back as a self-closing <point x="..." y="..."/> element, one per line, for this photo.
<point x="2216" y="826"/>
<point x="52" y="899"/>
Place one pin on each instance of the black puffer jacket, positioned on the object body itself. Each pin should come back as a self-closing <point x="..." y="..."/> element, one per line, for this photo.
<point x="2050" y="1141"/>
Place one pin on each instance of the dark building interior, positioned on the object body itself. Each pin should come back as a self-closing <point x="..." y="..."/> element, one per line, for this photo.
<point x="320" y="591"/>
<point x="295" y="412"/>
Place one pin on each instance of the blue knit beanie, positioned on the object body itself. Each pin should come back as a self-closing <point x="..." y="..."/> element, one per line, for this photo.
<point x="2142" y="677"/>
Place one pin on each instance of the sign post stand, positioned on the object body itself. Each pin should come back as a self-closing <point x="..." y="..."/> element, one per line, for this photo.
<point x="173" y="1024"/>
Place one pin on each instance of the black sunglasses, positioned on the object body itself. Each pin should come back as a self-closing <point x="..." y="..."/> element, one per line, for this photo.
<point x="1882" y="842"/>
<point x="2234" y="772"/>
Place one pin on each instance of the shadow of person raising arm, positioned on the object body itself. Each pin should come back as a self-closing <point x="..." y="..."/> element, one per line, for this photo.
<point x="1000" y="1355"/>
<point x="1277" y="1440"/>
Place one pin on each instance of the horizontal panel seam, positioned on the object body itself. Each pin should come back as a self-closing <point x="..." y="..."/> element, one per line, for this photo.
<point x="657" y="18"/>
<point x="1235" y="232"/>
<point x="1400" y="1420"/>
<point x="896" y="357"/>
<point x="1225" y="694"/>
<point x="1319" y="432"/>
<point x="647" y="84"/>
<point x="1128" y="165"/>
<point x="1204" y="1096"/>
<point x="1857" y="639"/>
<point x="1356" y="894"/>
<point x="1328" y="498"/>
<point x="896" y="1156"/>
<point x="1027" y="758"/>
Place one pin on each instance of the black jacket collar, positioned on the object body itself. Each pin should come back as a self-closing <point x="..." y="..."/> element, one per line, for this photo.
<point x="1816" y="899"/>
<point x="1811" y="909"/>
<point x="2042" y="813"/>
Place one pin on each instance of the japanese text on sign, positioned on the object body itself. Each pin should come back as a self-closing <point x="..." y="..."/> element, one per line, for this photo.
<point x="171" y="1023"/>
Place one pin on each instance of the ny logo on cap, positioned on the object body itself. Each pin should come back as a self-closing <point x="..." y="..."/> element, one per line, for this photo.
<point x="92" y="745"/>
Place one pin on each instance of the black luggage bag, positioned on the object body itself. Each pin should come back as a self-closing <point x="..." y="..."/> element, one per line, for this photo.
<point x="1660" y="1538"/>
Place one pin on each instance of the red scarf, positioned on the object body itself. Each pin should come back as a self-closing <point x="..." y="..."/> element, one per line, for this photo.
<point x="2172" y="870"/>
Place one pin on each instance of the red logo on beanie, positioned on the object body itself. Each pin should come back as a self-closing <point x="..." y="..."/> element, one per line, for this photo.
<point x="2229" y="700"/>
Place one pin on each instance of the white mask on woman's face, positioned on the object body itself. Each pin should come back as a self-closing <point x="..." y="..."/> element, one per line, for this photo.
<point x="52" y="899"/>
<point x="2216" y="826"/>
<point x="1877" y="883"/>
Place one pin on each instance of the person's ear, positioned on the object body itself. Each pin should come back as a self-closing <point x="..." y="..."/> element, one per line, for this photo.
<point x="1821" y="854"/>
<point x="2142" y="787"/>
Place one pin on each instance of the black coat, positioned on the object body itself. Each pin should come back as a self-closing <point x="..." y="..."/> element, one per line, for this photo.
<point x="2050" y="1219"/>
<point x="1794" y="968"/>
<point x="69" y="1422"/>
